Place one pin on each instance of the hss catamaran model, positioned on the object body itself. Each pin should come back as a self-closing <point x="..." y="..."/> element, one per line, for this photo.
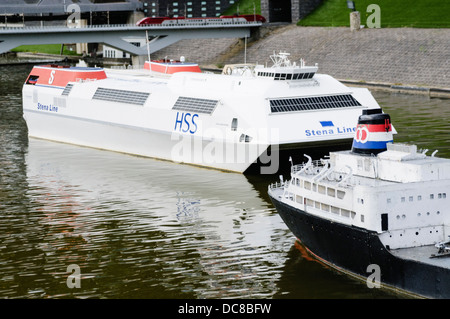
<point x="171" y="110"/>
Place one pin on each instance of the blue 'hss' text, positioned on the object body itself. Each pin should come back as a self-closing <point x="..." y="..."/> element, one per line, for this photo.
<point x="185" y="122"/>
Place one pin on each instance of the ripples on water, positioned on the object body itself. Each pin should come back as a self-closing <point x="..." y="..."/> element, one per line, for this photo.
<point x="142" y="228"/>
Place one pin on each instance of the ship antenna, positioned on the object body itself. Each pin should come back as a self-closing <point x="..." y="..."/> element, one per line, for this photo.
<point x="245" y="50"/>
<point x="148" y="51"/>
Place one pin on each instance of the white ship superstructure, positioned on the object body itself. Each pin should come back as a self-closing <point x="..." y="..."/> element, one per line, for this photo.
<point x="216" y="120"/>
<point x="401" y="194"/>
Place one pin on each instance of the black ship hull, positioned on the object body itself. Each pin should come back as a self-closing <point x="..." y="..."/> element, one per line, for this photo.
<point x="352" y="249"/>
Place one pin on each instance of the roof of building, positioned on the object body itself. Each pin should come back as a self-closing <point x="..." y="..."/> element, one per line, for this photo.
<point x="62" y="6"/>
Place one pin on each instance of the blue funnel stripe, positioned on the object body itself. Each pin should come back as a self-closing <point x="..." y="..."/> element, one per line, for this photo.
<point x="371" y="144"/>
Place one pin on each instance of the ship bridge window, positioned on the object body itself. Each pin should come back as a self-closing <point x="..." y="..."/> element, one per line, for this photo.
<point x="195" y="105"/>
<point x="313" y="103"/>
<point x="287" y="76"/>
<point x="121" y="96"/>
<point x="32" y="79"/>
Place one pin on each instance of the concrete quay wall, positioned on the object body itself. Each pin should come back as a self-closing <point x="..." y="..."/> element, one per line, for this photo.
<point x="394" y="58"/>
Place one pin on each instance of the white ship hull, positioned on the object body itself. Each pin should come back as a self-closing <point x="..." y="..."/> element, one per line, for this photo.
<point x="142" y="141"/>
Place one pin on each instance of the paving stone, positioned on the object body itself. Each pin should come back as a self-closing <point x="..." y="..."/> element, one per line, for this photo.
<point x="406" y="56"/>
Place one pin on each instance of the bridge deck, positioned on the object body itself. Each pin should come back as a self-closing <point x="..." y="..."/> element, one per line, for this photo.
<point x="112" y="35"/>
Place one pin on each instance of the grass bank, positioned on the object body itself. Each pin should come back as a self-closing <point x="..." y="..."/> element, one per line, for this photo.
<point x="44" y="48"/>
<point x="393" y="13"/>
<point x="244" y="7"/>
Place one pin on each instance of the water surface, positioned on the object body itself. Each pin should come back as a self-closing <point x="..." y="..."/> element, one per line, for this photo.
<point x="143" y="228"/>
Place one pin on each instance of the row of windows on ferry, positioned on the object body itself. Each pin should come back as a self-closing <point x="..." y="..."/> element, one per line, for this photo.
<point x="418" y="198"/>
<point x="324" y="207"/>
<point x="189" y="9"/>
<point x="321" y="189"/>
<point x="287" y="76"/>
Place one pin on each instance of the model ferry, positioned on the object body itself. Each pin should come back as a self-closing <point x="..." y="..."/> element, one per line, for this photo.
<point x="172" y="110"/>
<point x="379" y="211"/>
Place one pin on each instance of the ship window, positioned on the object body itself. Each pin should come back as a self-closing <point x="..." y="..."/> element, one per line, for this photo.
<point x="32" y="79"/>
<point x="388" y="201"/>
<point x="335" y="210"/>
<point x="340" y="194"/>
<point x="331" y="192"/>
<point x="325" y="207"/>
<point x="307" y="185"/>
<point x="317" y="205"/>
<point x="345" y="213"/>
<point x="362" y="218"/>
<point x="419" y="197"/>
<point x="121" y="96"/>
<point x="234" y="124"/>
<point x="411" y="198"/>
<point x="431" y="196"/>
<point x="403" y="199"/>
<point x="195" y="105"/>
<point x="313" y="103"/>
<point x="309" y="203"/>
<point x="299" y="199"/>
<point x="321" y="189"/>
<point x="67" y="89"/>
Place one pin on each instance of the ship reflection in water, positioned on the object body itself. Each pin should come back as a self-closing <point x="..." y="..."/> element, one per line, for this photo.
<point x="138" y="227"/>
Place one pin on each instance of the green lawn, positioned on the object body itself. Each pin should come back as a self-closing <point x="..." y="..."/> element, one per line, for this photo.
<point x="393" y="13"/>
<point x="44" y="48"/>
<point x="245" y="7"/>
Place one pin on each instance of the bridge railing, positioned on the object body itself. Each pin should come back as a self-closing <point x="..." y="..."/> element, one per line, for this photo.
<point x="128" y="26"/>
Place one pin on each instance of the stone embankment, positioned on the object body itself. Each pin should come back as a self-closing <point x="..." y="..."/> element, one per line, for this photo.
<point x="400" y="59"/>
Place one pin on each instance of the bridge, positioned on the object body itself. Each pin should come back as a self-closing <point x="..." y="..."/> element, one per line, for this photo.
<point x="113" y="35"/>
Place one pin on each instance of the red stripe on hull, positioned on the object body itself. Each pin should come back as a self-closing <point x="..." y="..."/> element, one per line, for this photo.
<point x="172" y="67"/>
<point x="59" y="76"/>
